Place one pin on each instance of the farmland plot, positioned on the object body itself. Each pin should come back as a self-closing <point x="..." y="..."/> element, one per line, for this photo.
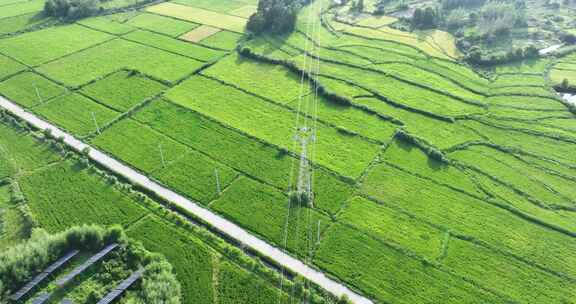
<point x="200" y="16"/>
<point x="107" y="24"/>
<point x="147" y="150"/>
<point x="191" y="259"/>
<point x="273" y="82"/>
<point x="76" y="113"/>
<point x="82" y="67"/>
<point x="390" y="276"/>
<point x="21" y="8"/>
<point x="234" y="149"/>
<point x="200" y="33"/>
<point x="161" y="24"/>
<point x="62" y="196"/>
<point x="23" y="151"/>
<point x="38" y="47"/>
<point x="30" y="89"/>
<point x="237" y="286"/>
<point x="123" y="90"/>
<point x="9" y="67"/>
<point x="21" y="22"/>
<point x="469" y="216"/>
<point x="268" y="121"/>
<point x="175" y="46"/>
<point x="263" y="210"/>
<point x="221" y="6"/>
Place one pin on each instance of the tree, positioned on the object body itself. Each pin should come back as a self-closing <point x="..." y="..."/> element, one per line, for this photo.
<point x="71" y="10"/>
<point x="424" y="18"/>
<point x="360" y="5"/>
<point x="275" y="16"/>
<point x="565" y="84"/>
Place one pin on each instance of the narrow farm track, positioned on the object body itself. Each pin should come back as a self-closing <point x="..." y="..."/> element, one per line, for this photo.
<point x="218" y="222"/>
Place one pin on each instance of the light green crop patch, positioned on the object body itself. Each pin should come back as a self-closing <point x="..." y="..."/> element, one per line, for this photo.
<point x="161" y="24"/>
<point x="123" y="90"/>
<point x="470" y="216"/>
<point x="107" y="24"/>
<point x="148" y="150"/>
<point x="392" y="226"/>
<point x="192" y="260"/>
<point x="232" y="148"/>
<point x="222" y="40"/>
<point x="273" y="124"/>
<point x="30" y="89"/>
<point x="77" y="114"/>
<point x="62" y="196"/>
<point x="38" y="47"/>
<point x="263" y="210"/>
<point x="9" y="66"/>
<point x="174" y="45"/>
<point x="197" y="176"/>
<point x="21" y="8"/>
<point x="90" y="64"/>
<point x="390" y="276"/>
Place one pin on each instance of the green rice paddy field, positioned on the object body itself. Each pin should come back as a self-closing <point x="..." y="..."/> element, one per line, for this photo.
<point x="431" y="183"/>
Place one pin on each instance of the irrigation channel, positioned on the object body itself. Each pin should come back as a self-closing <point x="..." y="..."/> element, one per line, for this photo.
<point x="218" y="222"/>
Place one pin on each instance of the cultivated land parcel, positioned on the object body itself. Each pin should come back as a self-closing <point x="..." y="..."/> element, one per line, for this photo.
<point x="432" y="183"/>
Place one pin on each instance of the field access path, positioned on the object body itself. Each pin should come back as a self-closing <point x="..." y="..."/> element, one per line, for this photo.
<point x="218" y="222"/>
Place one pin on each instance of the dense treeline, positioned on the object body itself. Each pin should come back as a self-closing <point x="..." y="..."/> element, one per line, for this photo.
<point x="71" y="10"/>
<point x="275" y="16"/>
<point x="20" y="263"/>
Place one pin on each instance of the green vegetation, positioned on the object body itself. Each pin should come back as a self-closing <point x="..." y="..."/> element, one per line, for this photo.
<point x="83" y="67"/>
<point x="60" y="197"/>
<point x="23" y="261"/>
<point x="430" y="181"/>
<point x="175" y="46"/>
<point x="39" y="47"/>
<point x="191" y="259"/>
<point x="222" y="40"/>
<point x="77" y="114"/>
<point x="30" y="89"/>
<point x="123" y="90"/>
<point x="161" y="24"/>
<point x="9" y="67"/>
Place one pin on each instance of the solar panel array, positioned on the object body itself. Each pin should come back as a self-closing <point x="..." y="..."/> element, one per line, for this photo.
<point x="121" y="287"/>
<point x="78" y="270"/>
<point x="42" y="298"/>
<point x="41" y="276"/>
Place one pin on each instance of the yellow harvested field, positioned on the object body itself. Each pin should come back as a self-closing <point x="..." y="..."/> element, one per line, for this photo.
<point x="200" y="33"/>
<point x="376" y="21"/>
<point x="443" y="41"/>
<point x="425" y="41"/>
<point x="201" y="16"/>
<point x="244" y="12"/>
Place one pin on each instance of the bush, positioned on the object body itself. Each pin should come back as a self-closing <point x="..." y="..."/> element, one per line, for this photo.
<point x="160" y="284"/>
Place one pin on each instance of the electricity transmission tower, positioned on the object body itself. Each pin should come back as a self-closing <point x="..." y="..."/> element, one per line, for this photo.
<point x="304" y="186"/>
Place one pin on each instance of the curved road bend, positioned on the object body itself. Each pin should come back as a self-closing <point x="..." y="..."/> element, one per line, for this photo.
<point x="213" y="219"/>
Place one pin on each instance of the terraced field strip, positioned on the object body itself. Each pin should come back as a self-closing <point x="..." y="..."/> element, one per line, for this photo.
<point x="218" y="222"/>
<point x="201" y="16"/>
